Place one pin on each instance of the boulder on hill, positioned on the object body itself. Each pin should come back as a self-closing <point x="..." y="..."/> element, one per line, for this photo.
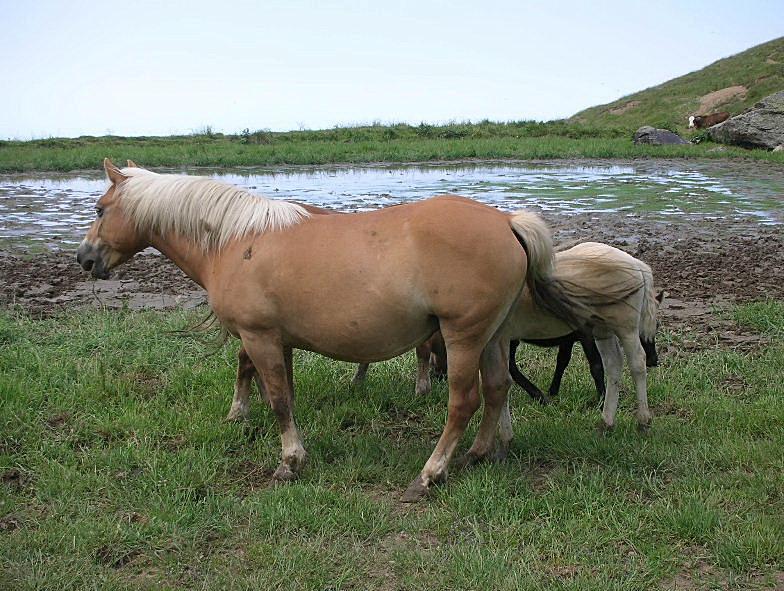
<point x="657" y="137"/>
<point x="761" y="126"/>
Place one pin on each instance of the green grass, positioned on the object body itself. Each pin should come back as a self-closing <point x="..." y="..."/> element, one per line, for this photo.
<point x="399" y="143"/>
<point x="118" y="472"/>
<point x="760" y="69"/>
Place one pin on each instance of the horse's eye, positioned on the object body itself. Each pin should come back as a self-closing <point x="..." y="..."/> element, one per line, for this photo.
<point x="99" y="212"/>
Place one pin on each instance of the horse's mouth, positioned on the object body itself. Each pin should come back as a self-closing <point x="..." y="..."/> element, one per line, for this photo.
<point x="92" y="261"/>
<point x="99" y="272"/>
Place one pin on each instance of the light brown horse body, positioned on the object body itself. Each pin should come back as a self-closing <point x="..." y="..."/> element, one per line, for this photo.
<point x="363" y="287"/>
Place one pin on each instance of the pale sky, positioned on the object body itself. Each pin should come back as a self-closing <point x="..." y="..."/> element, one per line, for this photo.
<point x="133" y="68"/>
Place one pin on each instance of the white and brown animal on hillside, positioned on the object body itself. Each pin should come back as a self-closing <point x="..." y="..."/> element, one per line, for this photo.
<point x="704" y="121"/>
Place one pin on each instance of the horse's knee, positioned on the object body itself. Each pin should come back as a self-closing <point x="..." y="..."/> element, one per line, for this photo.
<point x="462" y="407"/>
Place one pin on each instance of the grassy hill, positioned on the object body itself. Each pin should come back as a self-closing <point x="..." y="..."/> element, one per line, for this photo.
<point x="759" y="70"/>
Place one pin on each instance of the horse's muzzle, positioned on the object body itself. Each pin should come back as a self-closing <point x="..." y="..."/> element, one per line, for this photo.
<point x="91" y="260"/>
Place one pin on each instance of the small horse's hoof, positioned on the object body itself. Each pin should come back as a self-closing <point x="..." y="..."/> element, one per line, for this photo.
<point x="422" y="390"/>
<point x="501" y="454"/>
<point x="545" y="400"/>
<point x="466" y="460"/>
<point x="416" y="491"/>
<point x="284" y="473"/>
<point x="235" y="417"/>
<point x="604" y="429"/>
<point x="644" y="428"/>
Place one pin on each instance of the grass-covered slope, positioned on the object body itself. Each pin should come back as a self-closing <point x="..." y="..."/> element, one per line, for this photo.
<point x="759" y="69"/>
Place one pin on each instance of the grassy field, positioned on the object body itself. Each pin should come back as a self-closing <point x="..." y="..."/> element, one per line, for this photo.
<point x="397" y="143"/>
<point x="759" y="69"/>
<point x="118" y="472"/>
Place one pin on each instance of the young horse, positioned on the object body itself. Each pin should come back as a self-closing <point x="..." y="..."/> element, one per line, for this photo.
<point x="538" y="327"/>
<point x="362" y="287"/>
<point x="615" y="296"/>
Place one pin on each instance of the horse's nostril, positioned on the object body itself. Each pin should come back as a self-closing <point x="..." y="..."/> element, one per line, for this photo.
<point x="87" y="265"/>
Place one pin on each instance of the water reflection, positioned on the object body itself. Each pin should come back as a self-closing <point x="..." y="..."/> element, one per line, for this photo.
<point x="55" y="209"/>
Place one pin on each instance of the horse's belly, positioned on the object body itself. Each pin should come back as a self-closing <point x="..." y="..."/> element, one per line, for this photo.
<point x="359" y="337"/>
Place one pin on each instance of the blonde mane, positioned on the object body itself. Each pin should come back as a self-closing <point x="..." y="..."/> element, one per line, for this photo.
<point x="204" y="210"/>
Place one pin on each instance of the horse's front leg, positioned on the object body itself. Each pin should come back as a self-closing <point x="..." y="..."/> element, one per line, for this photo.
<point x="359" y="376"/>
<point x="423" y="352"/>
<point x="612" y="357"/>
<point x="246" y="372"/>
<point x="274" y="362"/>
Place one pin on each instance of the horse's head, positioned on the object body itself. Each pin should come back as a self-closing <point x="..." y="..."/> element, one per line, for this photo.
<point x="112" y="238"/>
<point x="691" y="121"/>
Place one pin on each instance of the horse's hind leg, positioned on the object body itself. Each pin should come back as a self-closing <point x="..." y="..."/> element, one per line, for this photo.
<point x="246" y="371"/>
<point x="495" y="389"/>
<point x="594" y="363"/>
<point x="463" y="402"/>
<point x="612" y="357"/>
<point x="564" y="357"/>
<point x="274" y="363"/>
<point x="520" y="379"/>
<point x="635" y="354"/>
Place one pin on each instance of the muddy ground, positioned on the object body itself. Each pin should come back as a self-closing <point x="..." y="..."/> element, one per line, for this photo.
<point x="704" y="265"/>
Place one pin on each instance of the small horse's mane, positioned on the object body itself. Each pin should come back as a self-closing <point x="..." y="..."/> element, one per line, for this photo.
<point x="201" y="209"/>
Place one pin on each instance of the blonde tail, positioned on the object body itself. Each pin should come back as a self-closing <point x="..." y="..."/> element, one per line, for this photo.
<point x="548" y="293"/>
<point x="537" y="241"/>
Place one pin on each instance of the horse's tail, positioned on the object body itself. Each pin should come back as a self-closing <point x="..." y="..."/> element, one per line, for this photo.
<point x="548" y="293"/>
<point x="648" y="317"/>
<point x="537" y="240"/>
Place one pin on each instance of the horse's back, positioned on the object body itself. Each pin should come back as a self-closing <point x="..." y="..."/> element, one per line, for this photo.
<point x="370" y="285"/>
<point x="609" y="281"/>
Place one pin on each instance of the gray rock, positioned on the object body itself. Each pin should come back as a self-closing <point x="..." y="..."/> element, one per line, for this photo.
<point x="657" y="137"/>
<point x="761" y="126"/>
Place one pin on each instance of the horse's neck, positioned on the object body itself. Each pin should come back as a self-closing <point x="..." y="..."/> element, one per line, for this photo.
<point x="186" y="255"/>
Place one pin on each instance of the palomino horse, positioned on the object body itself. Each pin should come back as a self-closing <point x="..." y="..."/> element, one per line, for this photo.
<point x="363" y="287"/>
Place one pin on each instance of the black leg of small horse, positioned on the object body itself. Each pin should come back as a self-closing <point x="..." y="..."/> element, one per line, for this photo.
<point x="523" y="381"/>
<point x="564" y="357"/>
<point x="595" y="363"/>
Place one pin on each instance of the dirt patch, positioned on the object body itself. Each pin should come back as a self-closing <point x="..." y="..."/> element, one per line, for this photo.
<point x="620" y="110"/>
<point x="705" y="265"/>
<point x="50" y="283"/>
<point x="710" y="101"/>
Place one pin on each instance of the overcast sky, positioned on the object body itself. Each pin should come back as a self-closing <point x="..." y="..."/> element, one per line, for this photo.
<point x="132" y="68"/>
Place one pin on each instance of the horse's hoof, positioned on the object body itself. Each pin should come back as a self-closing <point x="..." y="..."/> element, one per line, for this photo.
<point x="469" y="459"/>
<point x="501" y="454"/>
<point x="422" y="391"/>
<point x="235" y="417"/>
<point x="604" y="429"/>
<point x="416" y="491"/>
<point x="545" y="400"/>
<point x="284" y="473"/>
<point x="644" y="428"/>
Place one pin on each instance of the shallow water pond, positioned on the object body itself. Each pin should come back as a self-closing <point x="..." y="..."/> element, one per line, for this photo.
<point x="50" y="210"/>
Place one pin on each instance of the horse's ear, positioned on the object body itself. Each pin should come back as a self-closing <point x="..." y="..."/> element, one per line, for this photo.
<point x="113" y="172"/>
<point x="132" y="164"/>
<point x="661" y="295"/>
